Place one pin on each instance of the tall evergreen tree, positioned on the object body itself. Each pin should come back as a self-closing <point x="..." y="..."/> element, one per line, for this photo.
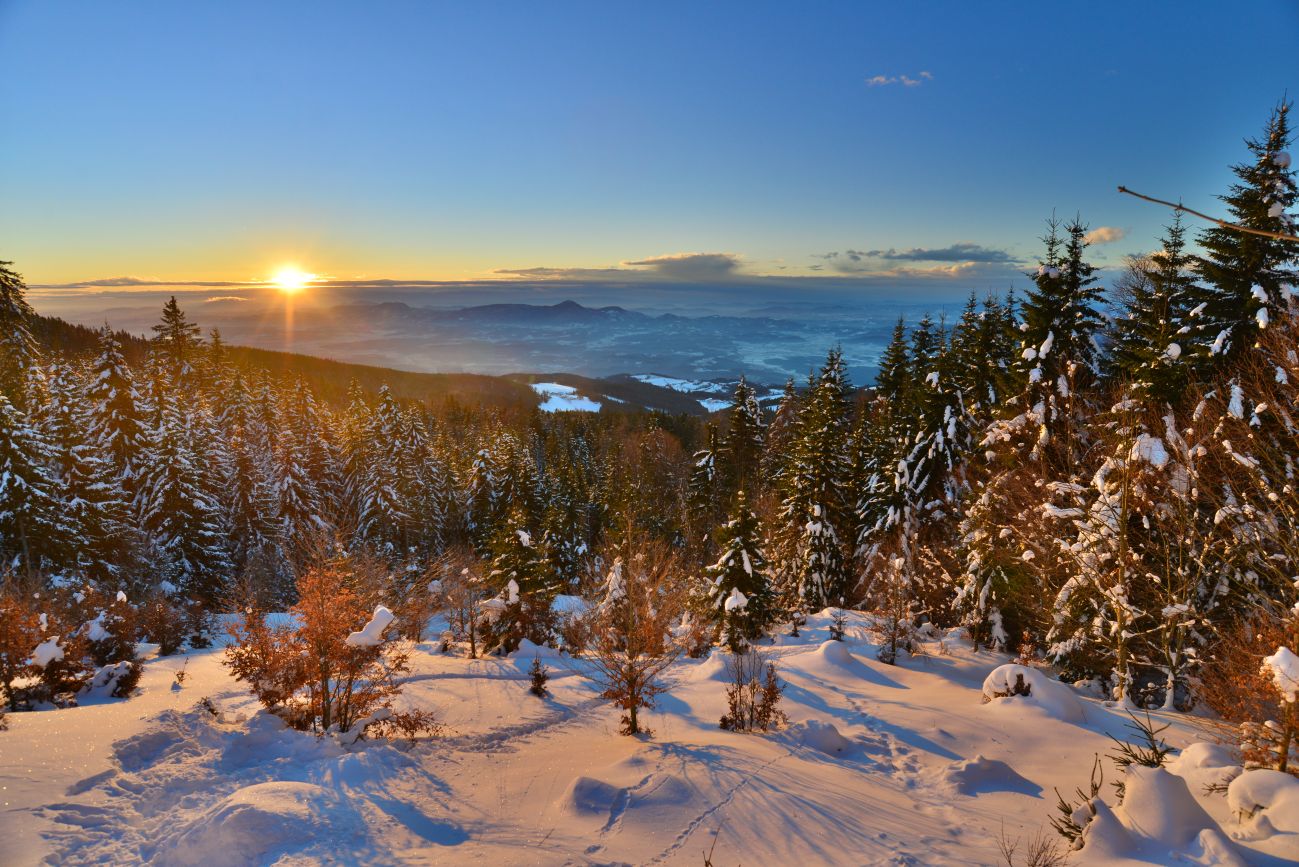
<point x="1149" y="334"/>
<point x="20" y="359"/>
<point x="1244" y="275"/>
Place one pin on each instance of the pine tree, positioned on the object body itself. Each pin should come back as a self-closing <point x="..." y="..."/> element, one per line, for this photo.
<point x="1148" y="349"/>
<point x="114" y="415"/>
<point x="177" y="341"/>
<point x="180" y="516"/>
<point x="98" y="513"/>
<point x="738" y="596"/>
<point x="704" y="494"/>
<point x="33" y="533"/>
<point x="20" y="359"/>
<point x="742" y="449"/>
<point x="1245" y="275"/>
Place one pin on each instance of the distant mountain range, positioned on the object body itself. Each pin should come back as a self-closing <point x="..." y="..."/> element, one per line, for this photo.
<point x="611" y="356"/>
<point x="587" y="341"/>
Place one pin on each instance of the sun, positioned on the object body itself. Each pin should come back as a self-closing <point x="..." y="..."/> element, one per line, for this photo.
<point x="291" y="279"/>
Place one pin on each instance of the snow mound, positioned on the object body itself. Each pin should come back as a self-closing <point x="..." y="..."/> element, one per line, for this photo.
<point x="1022" y="685"/>
<point x="528" y="651"/>
<point x="977" y="775"/>
<point x="1268" y="799"/>
<point x="820" y="736"/>
<point x="835" y="654"/>
<point x="1202" y="764"/>
<point x="258" y="822"/>
<point x="587" y="796"/>
<point x="712" y="668"/>
<point x="1158" y="806"/>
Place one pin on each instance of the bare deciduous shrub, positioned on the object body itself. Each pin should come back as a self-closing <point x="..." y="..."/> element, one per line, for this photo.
<point x="463" y="595"/>
<point x="310" y="672"/>
<point x="1236" y="688"/>
<point x="753" y="694"/>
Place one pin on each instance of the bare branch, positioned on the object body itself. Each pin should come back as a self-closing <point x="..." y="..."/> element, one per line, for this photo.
<point x="1235" y="227"/>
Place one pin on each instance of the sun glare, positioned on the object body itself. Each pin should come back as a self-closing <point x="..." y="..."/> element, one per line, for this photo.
<point x="291" y="279"/>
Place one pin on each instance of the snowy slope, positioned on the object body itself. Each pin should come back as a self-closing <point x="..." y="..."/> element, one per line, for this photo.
<point x="916" y="770"/>
<point x="563" y="398"/>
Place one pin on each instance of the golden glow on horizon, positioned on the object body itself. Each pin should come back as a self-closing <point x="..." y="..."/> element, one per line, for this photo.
<point x="291" y="279"/>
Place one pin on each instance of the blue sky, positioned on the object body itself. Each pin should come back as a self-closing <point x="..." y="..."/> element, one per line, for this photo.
<point x="605" y="141"/>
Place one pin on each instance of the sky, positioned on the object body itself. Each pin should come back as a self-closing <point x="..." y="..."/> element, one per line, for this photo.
<point x="854" y="148"/>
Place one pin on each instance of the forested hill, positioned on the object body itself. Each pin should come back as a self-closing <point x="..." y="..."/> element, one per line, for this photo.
<point x="328" y="378"/>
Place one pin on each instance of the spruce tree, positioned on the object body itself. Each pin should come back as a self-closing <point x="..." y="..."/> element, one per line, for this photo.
<point x="34" y="535"/>
<point x="1245" y="275"/>
<point x="177" y="342"/>
<point x="740" y="569"/>
<point x="1151" y="349"/>
<point x="20" y="359"/>
<point x="181" y="517"/>
<point x="742" y="448"/>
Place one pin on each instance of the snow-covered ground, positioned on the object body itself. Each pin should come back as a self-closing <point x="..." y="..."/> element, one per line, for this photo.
<point x="686" y="386"/>
<point x="563" y="398"/>
<point x="879" y="765"/>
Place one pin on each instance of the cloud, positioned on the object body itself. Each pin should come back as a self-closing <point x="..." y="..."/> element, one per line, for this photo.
<point x="691" y="266"/>
<point x="133" y="282"/>
<point x="874" y="261"/>
<point x="904" y="80"/>
<point x="1105" y="235"/>
<point x="216" y="298"/>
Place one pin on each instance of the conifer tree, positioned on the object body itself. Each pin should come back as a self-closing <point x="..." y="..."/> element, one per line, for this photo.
<point x="20" y="359"/>
<point x="114" y="416"/>
<point x="180" y="516"/>
<point x="738" y="596"/>
<point x="177" y="342"/>
<point x="744" y="439"/>
<point x="34" y="535"/>
<point x="1245" y="276"/>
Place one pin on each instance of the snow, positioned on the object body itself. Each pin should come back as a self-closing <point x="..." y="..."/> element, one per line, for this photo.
<point x="878" y="765"/>
<point x="371" y="635"/>
<point x="563" y="398"/>
<point x="1149" y="449"/>
<point x="1174" y="351"/>
<point x="1051" y="697"/>
<point x="714" y="404"/>
<point x="46" y="652"/>
<point x="1268" y="799"/>
<point x="684" y="385"/>
<point x="1283" y="669"/>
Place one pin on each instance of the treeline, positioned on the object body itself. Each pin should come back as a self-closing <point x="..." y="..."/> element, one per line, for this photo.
<point x="1103" y="479"/>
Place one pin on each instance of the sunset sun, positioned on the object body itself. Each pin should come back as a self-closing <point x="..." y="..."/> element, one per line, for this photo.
<point x="290" y="279"/>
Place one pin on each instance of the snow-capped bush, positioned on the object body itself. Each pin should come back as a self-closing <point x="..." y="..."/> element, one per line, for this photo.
<point x="1022" y="683"/>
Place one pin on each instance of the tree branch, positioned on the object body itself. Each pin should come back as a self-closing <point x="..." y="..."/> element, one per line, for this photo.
<point x="1236" y="227"/>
